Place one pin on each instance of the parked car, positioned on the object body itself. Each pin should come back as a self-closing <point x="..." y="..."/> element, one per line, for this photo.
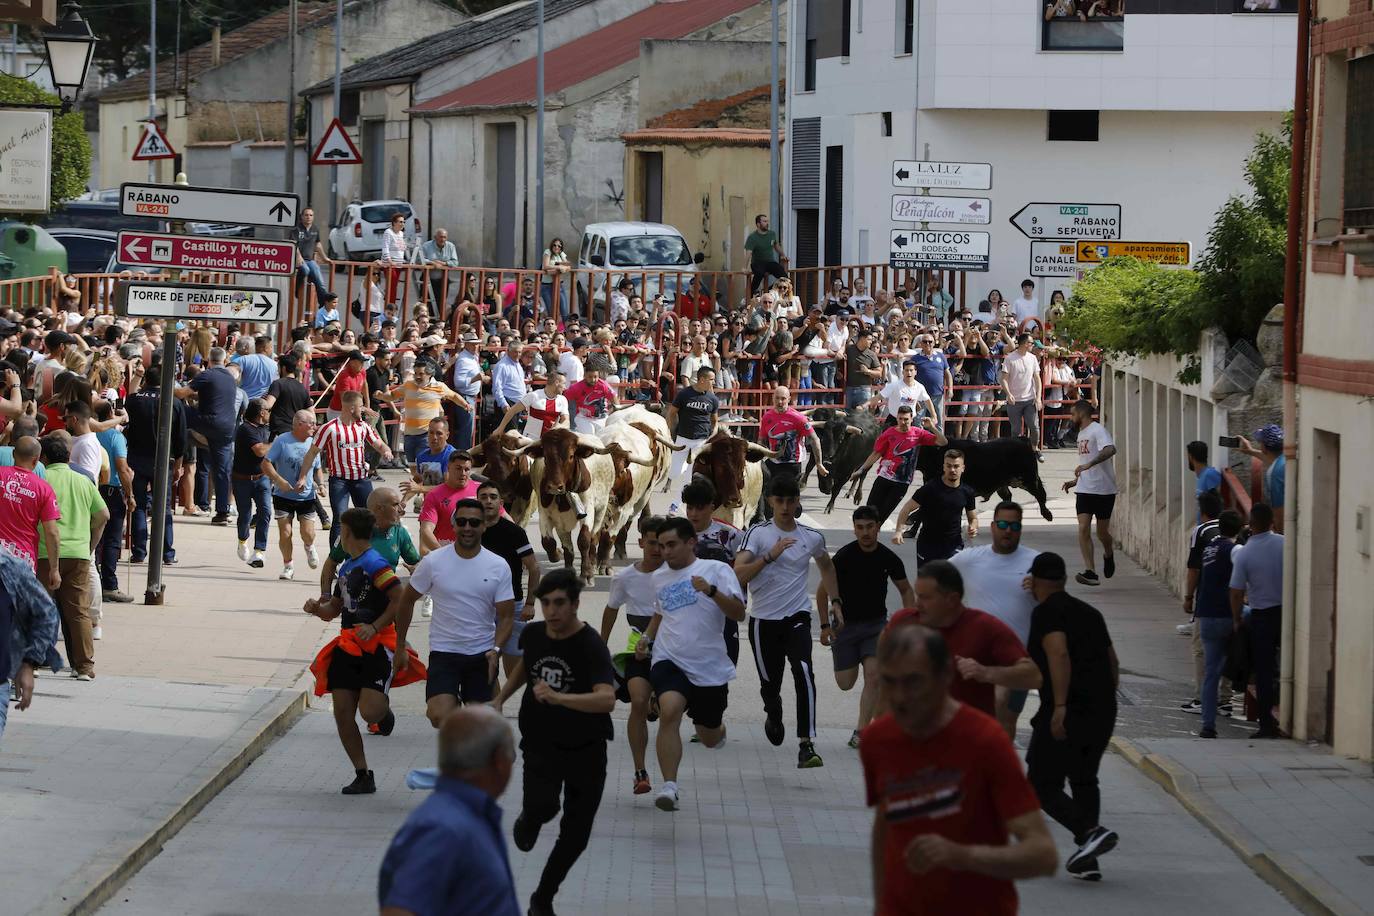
<point x="88" y="250"/>
<point x="358" y="235"/>
<point x="655" y="255"/>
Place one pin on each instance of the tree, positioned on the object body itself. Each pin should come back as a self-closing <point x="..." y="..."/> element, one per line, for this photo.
<point x="71" y="151"/>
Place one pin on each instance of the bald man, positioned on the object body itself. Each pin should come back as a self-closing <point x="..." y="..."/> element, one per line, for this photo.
<point x="389" y="538"/>
<point x="293" y="492"/>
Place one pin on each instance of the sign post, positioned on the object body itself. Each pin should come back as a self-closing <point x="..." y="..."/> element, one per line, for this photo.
<point x="162" y="251"/>
<point x="1053" y="259"/>
<point x="211" y="205"/>
<point x="968" y="211"/>
<point x="1069" y="221"/>
<point x="951" y="176"/>
<point x="1174" y="253"/>
<point x="939" y="249"/>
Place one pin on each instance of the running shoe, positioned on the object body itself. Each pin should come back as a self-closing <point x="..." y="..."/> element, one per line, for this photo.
<point x="773" y="729"/>
<point x="1193" y="706"/>
<point x="539" y="908"/>
<point x="287" y="572"/>
<point x="96" y="632"/>
<point x="642" y="785"/>
<point x="312" y="557"/>
<point x="256" y="561"/>
<point x="115" y="596"/>
<point x="427" y="607"/>
<point x="1088" y="871"/>
<point x="387" y="725"/>
<point x="666" y="800"/>
<point x="220" y="521"/>
<point x="243" y="551"/>
<point x="83" y="677"/>
<point x="1225" y="710"/>
<point x="525" y="833"/>
<point x="854" y="740"/>
<point x="1099" y="840"/>
<point x="363" y="784"/>
<point x="1205" y="733"/>
<point x="807" y="758"/>
<point x="1109" y="565"/>
<point x="1087" y="577"/>
<point x="1184" y="629"/>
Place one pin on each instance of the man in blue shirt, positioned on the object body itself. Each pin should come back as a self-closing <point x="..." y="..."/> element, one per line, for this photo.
<point x="1208" y="477"/>
<point x="257" y="368"/>
<point x="449" y="857"/>
<point x="467" y="379"/>
<point x="216" y="413"/>
<point x="1257" y="580"/>
<point x="1270" y="454"/>
<point x="327" y="311"/>
<point x="282" y="465"/>
<point x="932" y="371"/>
<point x="431" y="463"/>
<point x="508" y="378"/>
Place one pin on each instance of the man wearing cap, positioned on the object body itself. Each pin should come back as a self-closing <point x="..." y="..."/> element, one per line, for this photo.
<point x="1270" y="454"/>
<point x="1070" y="731"/>
<point x="571" y="361"/>
<point x="466" y="379"/>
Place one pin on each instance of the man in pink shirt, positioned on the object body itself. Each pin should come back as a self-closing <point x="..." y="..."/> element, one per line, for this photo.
<point x="783" y="430"/>
<point x="436" y="514"/>
<point x="28" y="504"/>
<point x="591" y="399"/>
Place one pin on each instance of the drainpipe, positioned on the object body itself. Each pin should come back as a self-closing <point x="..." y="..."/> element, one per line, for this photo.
<point x="1294" y="260"/>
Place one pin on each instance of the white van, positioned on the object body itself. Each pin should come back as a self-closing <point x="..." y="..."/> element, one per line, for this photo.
<point x="653" y="256"/>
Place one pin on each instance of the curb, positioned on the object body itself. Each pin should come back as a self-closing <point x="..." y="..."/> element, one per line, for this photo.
<point x="1308" y="892"/>
<point x="79" y="896"/>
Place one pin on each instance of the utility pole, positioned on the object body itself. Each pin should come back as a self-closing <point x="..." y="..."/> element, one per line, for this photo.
<point x="338" y="81"/>
<point x="773" y="158"/>
<point x="539" y="136"/>
<point x="291" y="106"/>
<point x="152" y="78"/>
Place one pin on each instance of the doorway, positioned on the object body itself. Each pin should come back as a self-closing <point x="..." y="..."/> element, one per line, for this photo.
<point x="505" y="194"/>
<point x="374" y="159"/>
<point x="1322" y="586"/>
<point x="651" y="190"/>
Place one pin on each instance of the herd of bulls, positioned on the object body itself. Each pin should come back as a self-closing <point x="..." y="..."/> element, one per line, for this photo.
<point x="590" y="490"/>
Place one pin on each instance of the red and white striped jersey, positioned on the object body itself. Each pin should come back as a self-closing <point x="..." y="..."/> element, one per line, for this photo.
<point x="344" y="447"/>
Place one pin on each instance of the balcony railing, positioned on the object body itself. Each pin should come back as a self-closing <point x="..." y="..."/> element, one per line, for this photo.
<point x="1082" y="25"/>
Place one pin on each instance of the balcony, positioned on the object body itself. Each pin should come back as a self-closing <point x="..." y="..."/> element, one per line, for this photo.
<point x="1083" y="25"/>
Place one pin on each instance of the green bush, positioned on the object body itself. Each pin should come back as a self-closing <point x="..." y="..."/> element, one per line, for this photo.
<point x="71" y="151"/>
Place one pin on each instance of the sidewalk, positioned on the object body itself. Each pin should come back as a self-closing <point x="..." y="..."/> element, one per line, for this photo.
<point x="1300" y="817"/>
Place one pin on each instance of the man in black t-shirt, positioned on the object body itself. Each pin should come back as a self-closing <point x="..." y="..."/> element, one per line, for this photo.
<point x="942" y="507"/>
<point x="863" y="567"/>
<point x="1070" y="731"/>
<point x="692" y="419"/>
<point x="285" y="396"/>
<point x="1209" y="510"/>
<point x="252" y="488"/>
<point x="307" y="239"/>
<point x="508" y="541"/>
<point x="565" y="722"/>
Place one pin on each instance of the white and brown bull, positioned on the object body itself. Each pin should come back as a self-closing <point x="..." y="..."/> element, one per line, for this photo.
<point x="645" y="435"/>
<point x="732" y="466"/>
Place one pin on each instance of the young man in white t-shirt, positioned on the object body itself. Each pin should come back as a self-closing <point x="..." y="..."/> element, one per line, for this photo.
<point x="547" y="407"/>
<point x="1094" y="482"/>
<point x="691" y="672"/>
<point x="1026" y="307"/>
<point x="632" y="588"/>
<point x="1020" y="378"/>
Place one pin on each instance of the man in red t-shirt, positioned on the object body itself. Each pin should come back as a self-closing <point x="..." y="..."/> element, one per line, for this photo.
<point x="28" y="506"/>
<point x="591" y="399"/>
<point x="897" y="447"/>
<point x="948" y="792"/>
<point x="783" y="430"/>
<point x="694" y="302"/>
<point x="986" y="651"/>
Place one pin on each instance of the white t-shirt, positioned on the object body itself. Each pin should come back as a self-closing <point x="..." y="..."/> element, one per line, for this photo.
<point x="899" y="393"/>
<point x="571" y="366"/>
<point x="86" y="454"/>
<point x="689" y="635"/>
<point x="465" y="594"/>
<point x="723" y="535"/>
<point x="992" y="583"/>
<point x="1101" y="479"/>
<point x="1021" y="369"/>
<point x="780" y="589"/>
<point x="1025" y="308"/>
<point x="543" y="411"/>
<point x="633" y="592"/>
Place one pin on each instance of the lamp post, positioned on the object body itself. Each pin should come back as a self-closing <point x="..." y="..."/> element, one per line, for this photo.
<point x="70" y="46"/>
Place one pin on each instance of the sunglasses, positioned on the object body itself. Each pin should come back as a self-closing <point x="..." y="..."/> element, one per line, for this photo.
<point x="1004" y="525"/>
<point x="467" y="523"/>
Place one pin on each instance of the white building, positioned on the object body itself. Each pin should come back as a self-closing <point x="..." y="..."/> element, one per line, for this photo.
<point x="1154" y="110"/>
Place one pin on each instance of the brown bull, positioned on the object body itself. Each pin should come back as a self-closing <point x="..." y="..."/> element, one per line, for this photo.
<point x="732" y="466"/>
<point x="510" y="473"/>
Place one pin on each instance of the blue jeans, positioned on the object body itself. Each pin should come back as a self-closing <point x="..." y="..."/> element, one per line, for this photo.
<point x="804" y="384"/>
<point x="248" y="495"/>
<point x="341" y="491"/>
<point x="857" y="396"/>
<point x="462" y="424"/>
<point x="215" y="460"/>
<point x="1216" y="641"/>
<point x="310" y="270"/>
<point x="414" y="444"/>
<point x="823" y="376"/>
<point x="143" y="503"/>
<point x="546" y="293"/>
<point x="4" y="705"/>
<point x="111" y="540"/>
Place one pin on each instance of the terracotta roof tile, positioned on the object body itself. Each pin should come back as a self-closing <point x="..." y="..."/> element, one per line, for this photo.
<point x="709" y="136"/>
<point x="726" y="112"/>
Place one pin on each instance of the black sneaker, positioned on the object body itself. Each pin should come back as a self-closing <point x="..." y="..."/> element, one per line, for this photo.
<point x="220" y="521"/>
<point x="773" y="729"/>
<point x="525" y="833"/>
<point x="539" y="908"/>
<point x="1098" y="841"/>
<point x="1205" y="733"/>
<point x="1194" y="706"/>
<point x="1088" y="871"/>
<point x="363" y="784"/>
<point x="387" y="725"/>
<point x="1087" y="577"/>
<point x="1109" y="565"/>
<point x="910" y="532"/>
<point x="807" y="758"/>
<point x="1225" y="710"/>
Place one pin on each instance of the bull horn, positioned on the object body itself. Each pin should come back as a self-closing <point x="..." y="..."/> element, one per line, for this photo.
<point x="756" y="449"/>
<point x="518" y="452"/>
<point x="852" y="431"/>
<point x="661" y="440"/>
<point x="642" y="462"/>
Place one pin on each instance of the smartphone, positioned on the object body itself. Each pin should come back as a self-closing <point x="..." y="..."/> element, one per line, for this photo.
<point x="1228" y="441"/>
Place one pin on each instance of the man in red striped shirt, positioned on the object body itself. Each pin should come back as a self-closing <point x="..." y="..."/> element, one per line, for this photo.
<point x="343" y="443"/>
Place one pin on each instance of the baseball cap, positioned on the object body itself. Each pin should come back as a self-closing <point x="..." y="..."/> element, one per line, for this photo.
<point x="1271" y="436"/>
<point x="1049" y="566"/>
<point x="8" y="328"/>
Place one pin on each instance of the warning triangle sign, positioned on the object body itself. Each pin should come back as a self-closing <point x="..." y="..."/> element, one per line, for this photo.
<point x="153" y="144"/>
<point x="336" y="147"/>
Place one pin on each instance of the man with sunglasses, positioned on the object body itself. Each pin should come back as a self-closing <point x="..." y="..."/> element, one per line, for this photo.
<point x="993" y="582"/>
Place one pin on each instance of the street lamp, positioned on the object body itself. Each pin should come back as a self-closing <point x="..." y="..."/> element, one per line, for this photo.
<point x="70" y="46"/>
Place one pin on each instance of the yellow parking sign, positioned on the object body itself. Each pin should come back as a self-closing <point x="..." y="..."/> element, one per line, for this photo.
<point x="1094" y="251"/>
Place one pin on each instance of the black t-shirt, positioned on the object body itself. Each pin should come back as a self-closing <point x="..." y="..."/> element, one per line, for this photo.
<point x="306" y="240"/>
<point x="942" y="516"/>
<point x="1091" y="691"/>
<point x="291" y="396"/>
<point x="247" y="436"/>
<point x="1203" y="535"/>
<point x="509" y="542"/>
<point x="694" y="410"/>
<point x="572" y="665"/>
<point x="863" y="577"/>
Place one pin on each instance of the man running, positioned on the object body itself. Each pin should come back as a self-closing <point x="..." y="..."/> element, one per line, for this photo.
<point x="691" y="419"/>
<point x="343" y="441"/>
<point x="783" y="430"/>
<point x="474" y="607"/>
<point x="774" y="559"/>
<point x="431" y="462"/>
<point x="565" y="724"/>
<point x="903" y="392"/>
<point x="293" y="488"/>
<point x="1094" y="483"/>
<point x="389" y="538"/>
<point x="863" y="567"/>
<point x="716" y="540"/>
<point x="690" y="671"/>
<point x="632" y="588"/>
<point x="509" y="541"/>
<point x="546" y="407"/>
<point x="897" y="448"/>
<point x="591" y="399"/>
<point x="941" y="506"/>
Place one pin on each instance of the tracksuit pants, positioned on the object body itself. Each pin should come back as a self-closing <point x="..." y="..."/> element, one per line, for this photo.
<point x="579" y="774"/>
<point x="1051" y="762"/>
<point x="885" y="496"/>
<point x="776" y="641"/>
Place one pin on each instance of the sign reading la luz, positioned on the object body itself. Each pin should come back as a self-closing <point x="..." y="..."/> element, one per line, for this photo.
<point x="1176" y="253"/>
<point x="953" y="176"/>
<point x="1053" y="259"/>
<point x="939" y="249"/>
<point x="336" y="147"/>
<point x="25" y="160"/>
<point x="211" y="205"/>
<point x="1069" y="221"/>
<point x="143" y="299"/>
<point x="969" y="211"/>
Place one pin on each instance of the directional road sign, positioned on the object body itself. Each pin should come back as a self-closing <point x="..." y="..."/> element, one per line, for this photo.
<point x="1093" y="252"/>
<point x="336" y="147"/>
<point x="939" y="249"/>
<point x="200" y="252"/>
<point x="962" y="176"/>
<point x="969" y="211"/>
<point x="1053" y="259"/>
<point x="1069" y="221"/>
<point x="143" y="299"/>
<point x="153" y="144"/>
<point x="211" y="205"/>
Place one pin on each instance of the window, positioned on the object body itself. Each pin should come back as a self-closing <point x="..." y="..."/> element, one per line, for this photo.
<point x="809" y="66"/>
<point x="1082" y="25"/>
<point x="1359" y="144"/>
<point x="887" y="124"/>
<point x="906" y="25"/>
<point x="1072" y="125"/>
<point x="1266" y="6"/>
<point x="846" y="25"/>
<point x="348" y="108"/>
<point x="649" y="251"/>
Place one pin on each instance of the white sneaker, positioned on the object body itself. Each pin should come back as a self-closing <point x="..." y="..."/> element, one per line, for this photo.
<point x="312" y="557"/>
<point x="427" y="607"/>
<point x="666" y="800"/>
<point x="287" y="572"/>
<point x="256" y="560"/>
<point x="1184" y="629"/>
<point x="243" y="551"/>
<point x="96" y="632"/>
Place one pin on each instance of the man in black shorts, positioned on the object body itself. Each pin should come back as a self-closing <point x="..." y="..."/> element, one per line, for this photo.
<point x="1094" y="485"/>
<point x="941" y="507"/>
<point x="565" y="723"/>
<point x="691" y="672"/>
<point x="293" y="492"/>
<point x="510" y="542"/>
<point x="863" y="568"/>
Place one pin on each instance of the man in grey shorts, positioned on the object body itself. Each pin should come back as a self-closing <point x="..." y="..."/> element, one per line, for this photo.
<point x="862" y="570"/>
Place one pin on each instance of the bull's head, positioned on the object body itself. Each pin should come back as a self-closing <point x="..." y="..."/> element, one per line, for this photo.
<point x="722" y="460"/>
<point x="499" y="460"/>
<point x="565" y="462"/>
